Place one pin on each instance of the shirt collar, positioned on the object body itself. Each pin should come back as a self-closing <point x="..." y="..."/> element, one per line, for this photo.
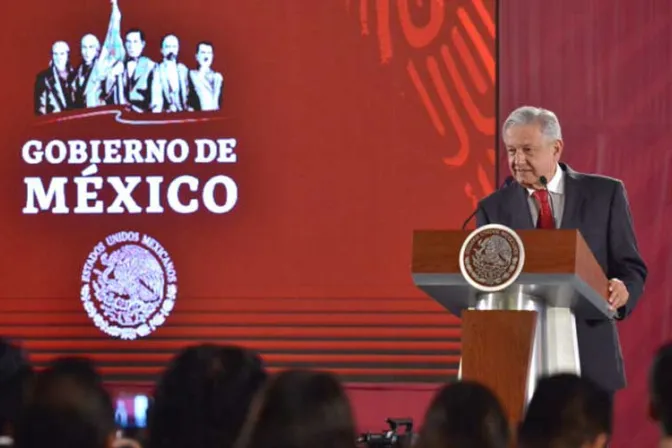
<point x="6" y="441"/>
<point x="556" y="185"/>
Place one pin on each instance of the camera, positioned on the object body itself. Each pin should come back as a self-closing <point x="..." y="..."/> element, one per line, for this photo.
<point x="390" y="438"/>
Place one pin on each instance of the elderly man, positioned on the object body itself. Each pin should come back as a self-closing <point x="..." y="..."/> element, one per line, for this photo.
<point x="53" y="86"/>
<point x="170" y="86"/>
<point x="87" y="91"/>
<point x="549" y="194"/>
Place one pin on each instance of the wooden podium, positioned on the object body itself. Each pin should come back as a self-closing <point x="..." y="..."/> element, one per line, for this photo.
<point x="512" y="337"/>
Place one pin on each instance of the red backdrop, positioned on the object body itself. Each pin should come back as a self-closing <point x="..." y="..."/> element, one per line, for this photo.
<point x="357" y="122"/>
<point x="603" y="67"/>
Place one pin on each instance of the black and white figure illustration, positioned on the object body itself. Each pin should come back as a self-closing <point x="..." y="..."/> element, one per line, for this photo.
<point x="130" y="80"/>
<point x="205" y="84"/>
<point x="85" y="87"/>
<point x="53" y="86"/>
<point x="169" y="86"/>
<point x="117" y="72"/>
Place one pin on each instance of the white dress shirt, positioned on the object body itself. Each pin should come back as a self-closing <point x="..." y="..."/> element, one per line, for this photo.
<point x="556" y="189"/>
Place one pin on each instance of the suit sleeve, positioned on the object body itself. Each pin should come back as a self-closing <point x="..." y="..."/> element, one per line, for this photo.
<point x="481" y="217"/>
<point x="40" y="96"/>
<point x="625" y="262"/>
<point x="156" y="95"/>
<point x="221" y="91"/>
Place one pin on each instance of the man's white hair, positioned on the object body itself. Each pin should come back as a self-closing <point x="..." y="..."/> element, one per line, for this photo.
<point x="60" y="44"/>
<point x="547" y="121"/>
<point x="90" y="38"/>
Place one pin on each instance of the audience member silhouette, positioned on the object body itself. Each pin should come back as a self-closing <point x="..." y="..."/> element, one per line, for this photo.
<point x="203" y="397"/>
<point x="660" y="392"/>
<point x="300" y="409"/>
<point x="16" y="377"/>
<point x="68" y="409"/>
<point x="566" y="411"/>
<point x="464" y="415"/>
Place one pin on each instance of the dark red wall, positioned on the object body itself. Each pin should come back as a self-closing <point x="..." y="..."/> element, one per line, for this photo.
<point x="604" y="67"/>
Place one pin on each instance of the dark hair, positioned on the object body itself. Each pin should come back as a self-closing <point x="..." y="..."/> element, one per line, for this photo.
<point x="203" y="397"/>
<point x="16" y="374"/>
<point x="660" y="387"/>
<point x="65" y="411"/>
<point x="300" y="409"/>
<point x="565" y="411"/>
<point x="77" y="367"/>
<point x="136" y="30"/>
<point x="464" y="414"/>
<point x="206" y="43"/>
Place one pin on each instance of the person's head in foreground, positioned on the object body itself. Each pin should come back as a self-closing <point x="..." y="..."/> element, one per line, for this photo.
<point x="203" y="397"/>
<point x="77" y="367"/>
<point x="16" y="374"/>
<point x="67" y="410"/>
<point x="300" y="409"/>
<point x="464" y="415"/>
<point x="660" y="391"/>
<point x="566" y="411"/>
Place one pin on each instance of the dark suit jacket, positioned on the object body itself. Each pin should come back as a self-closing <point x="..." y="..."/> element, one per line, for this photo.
<point x="52" y="94"/>
<point x="598" y="207"/>
<point x="134" y="90"/>
<point x="164" y="99"/>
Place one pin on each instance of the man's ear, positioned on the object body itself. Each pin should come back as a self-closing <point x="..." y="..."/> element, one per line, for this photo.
<point x="558" y="146"/>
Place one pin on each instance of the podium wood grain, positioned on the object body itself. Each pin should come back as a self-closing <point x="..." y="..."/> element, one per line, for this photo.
<point x="496" y="352"/>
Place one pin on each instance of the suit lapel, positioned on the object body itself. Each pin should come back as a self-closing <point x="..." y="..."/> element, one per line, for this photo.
<point x="140" y="68"/>
<point x="58" y="89"/>
<point x="183" y="75"/>
<point x="518" y="208"/>
<point x="571" y="216"/>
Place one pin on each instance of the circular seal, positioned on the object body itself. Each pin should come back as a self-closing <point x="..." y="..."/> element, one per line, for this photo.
<point x="492" y="258"/>
<point x="129" y="285"/>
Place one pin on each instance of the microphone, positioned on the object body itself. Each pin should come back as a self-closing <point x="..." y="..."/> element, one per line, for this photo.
<point x="464" y="226"/>
<point x="507" y="182"/>
<point x="544" y="183"/>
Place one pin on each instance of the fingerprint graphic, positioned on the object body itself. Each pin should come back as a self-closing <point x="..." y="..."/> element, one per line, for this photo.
<point x="451" y="66"/>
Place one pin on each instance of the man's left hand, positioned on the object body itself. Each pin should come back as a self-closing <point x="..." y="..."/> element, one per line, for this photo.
<point x="618" y="294"/>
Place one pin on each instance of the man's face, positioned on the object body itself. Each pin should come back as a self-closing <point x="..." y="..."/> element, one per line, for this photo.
<point x="531" y="154"/>
<point x="90" y="48"/>
<point x="60" y="54"/>
<point x="204" y="56"/>
<point x="134" y="44"/>
<point x="170" y="48"/>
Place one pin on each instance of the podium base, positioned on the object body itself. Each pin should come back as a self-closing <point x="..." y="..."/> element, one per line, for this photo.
<point x="541" y="341"/>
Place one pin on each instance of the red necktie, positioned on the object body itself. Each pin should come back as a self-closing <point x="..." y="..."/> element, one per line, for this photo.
<point x="545" y="220"/>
